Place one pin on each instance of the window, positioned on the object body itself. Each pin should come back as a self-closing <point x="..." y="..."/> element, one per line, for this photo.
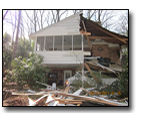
<point x="58" y="43"/>
<point x="49" y="43"/>
<point x="67" y="42"/>
<point x="40" y="44"/>
<point x="77" y="42"/>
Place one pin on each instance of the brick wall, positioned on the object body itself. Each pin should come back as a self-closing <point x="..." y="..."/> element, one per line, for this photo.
<point x="108" y="52"/>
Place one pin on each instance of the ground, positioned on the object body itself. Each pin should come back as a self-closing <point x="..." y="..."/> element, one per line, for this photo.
<point x="10" y="100"/>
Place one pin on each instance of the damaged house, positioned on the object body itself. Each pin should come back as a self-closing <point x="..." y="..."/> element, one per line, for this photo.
<point x="65" y="44"/>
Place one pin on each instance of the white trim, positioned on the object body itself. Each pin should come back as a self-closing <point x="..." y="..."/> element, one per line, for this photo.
<point x="44" y="42"/>
<point x="70" y="71"/>
<point x="63" y="43"/>
<point x="72" y="42"/>
<point x="82" y="42"/>
<point x="35" y="47"/>
<point x="53" y="42"/>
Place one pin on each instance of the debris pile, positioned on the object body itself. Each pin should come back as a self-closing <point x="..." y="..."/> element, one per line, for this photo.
<point x="57" y="97"/>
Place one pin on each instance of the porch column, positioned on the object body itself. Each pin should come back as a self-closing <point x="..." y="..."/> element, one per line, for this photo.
<point x="82" y="42"/>
<point x="35" y="45"/>
<point x="82" y="71"/>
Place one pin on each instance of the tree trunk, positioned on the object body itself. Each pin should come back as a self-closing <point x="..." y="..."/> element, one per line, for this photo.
<point x="17" y="33"/>
<point x="58" y="16"/>
<point x="99" y="16"/>
<point x="34" y="21"/>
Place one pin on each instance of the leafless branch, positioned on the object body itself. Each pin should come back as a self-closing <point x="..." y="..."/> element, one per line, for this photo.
<point x="5" y="15"/>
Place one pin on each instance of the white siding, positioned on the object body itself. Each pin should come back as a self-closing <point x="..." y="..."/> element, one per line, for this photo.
<point x="63" y="57"/>
<point x="67" y="26"/>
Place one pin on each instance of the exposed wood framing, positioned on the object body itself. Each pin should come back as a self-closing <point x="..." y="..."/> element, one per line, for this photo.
<point x="107" y="32"/>
<point x="96" y="79"/>
<point x="106" y="38"/>
<point x="90" y="99"/>
<point x="86" y="35"/>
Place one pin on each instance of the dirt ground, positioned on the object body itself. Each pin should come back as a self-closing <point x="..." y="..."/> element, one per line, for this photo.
<point x="11" y="100"/>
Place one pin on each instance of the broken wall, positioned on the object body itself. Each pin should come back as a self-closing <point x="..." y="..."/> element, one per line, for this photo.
<point x="104" y="50"/>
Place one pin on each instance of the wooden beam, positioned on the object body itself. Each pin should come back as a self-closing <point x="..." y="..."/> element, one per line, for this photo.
<point x="86" y="35"/>
<point x="91" y="99"/>
<point x="69" y="100"/>
<point x="95" y="67"/>
<point x="96" y="79"/>
<point x="105" y="38"/>
<point x="100" y="37"/>
<point x="107" y="32"/>
<point x="62" y="102"/>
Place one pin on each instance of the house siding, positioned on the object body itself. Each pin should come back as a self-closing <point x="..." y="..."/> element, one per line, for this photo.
<point x="68" y="26"/>
<point x="63" y="57"/>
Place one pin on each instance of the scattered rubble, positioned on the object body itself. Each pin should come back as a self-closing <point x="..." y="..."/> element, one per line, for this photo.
<point x="61" y="98"/>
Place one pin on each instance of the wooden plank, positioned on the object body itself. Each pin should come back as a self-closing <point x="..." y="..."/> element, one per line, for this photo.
<point x="107" y="39"/>
<point x="123" y="99"/>
<point x="32" y="103"/>
<point x="14" y="93"/>
<point x="69" y="100"/>
<point x="84" y="32"/>
<point x="100" y="37"/>
<point x="78" y="104"/>
<point x="91" y="73"/>
<point x="62" y="102"/>
<point x="67" y="89"/>
<point x="91" y="99"/>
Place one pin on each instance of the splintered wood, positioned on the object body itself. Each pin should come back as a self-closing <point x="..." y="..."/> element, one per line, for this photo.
<point x="63" y="98"/>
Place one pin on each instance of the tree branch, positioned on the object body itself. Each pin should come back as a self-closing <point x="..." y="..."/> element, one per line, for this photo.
<point x="5" y="15"/>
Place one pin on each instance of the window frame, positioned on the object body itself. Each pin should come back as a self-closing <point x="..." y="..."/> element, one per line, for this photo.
<point x="53" y="37"/>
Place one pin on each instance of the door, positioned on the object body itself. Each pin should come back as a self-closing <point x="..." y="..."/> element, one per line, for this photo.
<point x="67" y="74"/>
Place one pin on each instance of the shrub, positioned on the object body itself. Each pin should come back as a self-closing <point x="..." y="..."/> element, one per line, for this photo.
<point x="121" y="85"/>
<point x="28" y="71"/>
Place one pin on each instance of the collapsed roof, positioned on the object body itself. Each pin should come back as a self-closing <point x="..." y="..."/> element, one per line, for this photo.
<point x="96" y="31"/>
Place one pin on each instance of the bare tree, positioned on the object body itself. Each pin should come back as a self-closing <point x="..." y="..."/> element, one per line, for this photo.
<point x="33" y="21"/>
<point x="121" y="26"/>
<point x="5" y="14"/>
<point x="57" y="14"/>
<point x="17" y="33"/>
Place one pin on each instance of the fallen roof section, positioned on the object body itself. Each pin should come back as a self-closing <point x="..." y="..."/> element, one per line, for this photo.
<point x="98" y="32"/>
<point x="96" y="65"/>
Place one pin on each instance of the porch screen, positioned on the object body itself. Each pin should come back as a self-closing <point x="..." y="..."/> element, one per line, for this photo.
<point x="40" y="44"/>
<point x="77" y="42"/>
<point x="67" y="42"/>
<point x="58" y="43"/>
<point x="49" y="43"/>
